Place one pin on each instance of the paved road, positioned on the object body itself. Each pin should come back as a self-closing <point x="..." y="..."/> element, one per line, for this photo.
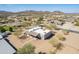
<point x="69" y="28"/>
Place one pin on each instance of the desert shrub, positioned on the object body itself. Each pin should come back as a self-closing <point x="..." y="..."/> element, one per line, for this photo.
<point x="54" y="42"/>
<point x="77" y="23"/>
<point x="58" y="46"/>
<point x="10" y="29"/>
<point x="50" y="26"/>
<point x="53" y="52"/>
<point x="41" y="52"/>
<point x="26" y="49"/>
<point x="60" y="36"/>
<point x="39" y="21"/>
<point x="66" y="32"/>
<point x="2" y="29"/>
<point x="18" y="32"/>
<point x="6" y="28"/>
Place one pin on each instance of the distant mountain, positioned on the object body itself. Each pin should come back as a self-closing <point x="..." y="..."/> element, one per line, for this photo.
<point x="30" y="12"/>
<point x="2" y="11"/>
<point x="57" y="12"/>
<point x="33" y="11"/>
<point x="5" y="13"/>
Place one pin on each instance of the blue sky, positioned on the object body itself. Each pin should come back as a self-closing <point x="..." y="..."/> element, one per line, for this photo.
<point x="67" y="8"/>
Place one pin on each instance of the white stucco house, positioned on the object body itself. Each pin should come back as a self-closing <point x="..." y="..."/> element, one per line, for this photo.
<point x="40" y="33"/>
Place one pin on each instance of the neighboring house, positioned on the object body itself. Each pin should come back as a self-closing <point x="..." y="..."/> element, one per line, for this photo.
<point x="69" y="27"/>
<point x="55" y="22"/>
<point x="71" y="19"/>
<point x="40" y="33"/>
<point x="5" y="46"/>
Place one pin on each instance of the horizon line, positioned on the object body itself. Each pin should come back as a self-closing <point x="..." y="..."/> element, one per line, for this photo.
<point x="35" y="11"/>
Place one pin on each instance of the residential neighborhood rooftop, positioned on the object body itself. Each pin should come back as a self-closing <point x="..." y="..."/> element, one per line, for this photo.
<point x="5" y="46"/>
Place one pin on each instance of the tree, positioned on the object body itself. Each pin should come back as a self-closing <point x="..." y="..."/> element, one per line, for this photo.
<point x="26" y="49"/>
<point x="11" y="29"/>
<point x="25" y="19"/>
<point x="8" y="28"/>
<point x="39" y="21"/>
<point x="2" y="29"/>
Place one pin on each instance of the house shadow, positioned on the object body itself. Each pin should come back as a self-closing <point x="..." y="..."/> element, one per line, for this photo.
<point x="49" y="37"/>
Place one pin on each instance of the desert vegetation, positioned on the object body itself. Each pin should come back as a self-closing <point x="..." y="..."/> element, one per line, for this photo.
<point x="6" y="28"/>
<point x="77" y="23"/>
<point x="16" y="22"/>
<point x="56" y="42"/>
<point x="26" y="49"/>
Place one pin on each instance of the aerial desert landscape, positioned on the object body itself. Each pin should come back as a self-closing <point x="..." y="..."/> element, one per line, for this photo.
<point x="39" y="29"/>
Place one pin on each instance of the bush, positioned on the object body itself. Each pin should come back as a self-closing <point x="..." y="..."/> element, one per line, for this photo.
<point x="77" y="23"/>
<point x="54" y="42"/>
<point x="66" y="32"/>
<point x="57" y="46"/>
<point x="50" y="26"/>
<point x="41" y="52"/>
<point x="26" y="49"/>
<point x="61" y="37"/>
<point x="10" y="29"/>
<point x="53" y="52"/>
<point x="18" y="32"/>
<point x="2" y="29"/>
<point x="39" y="21"/>
<point x="6" y="28"/>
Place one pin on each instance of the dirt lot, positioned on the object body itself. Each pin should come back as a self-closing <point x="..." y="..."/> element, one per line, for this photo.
<point x="71" y="44"/>
<point x="41" y="45"/>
